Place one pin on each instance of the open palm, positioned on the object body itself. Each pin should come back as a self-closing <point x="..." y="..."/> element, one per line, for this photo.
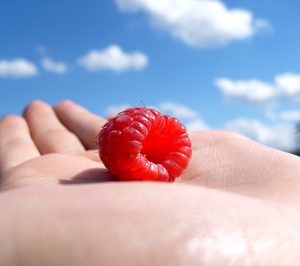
<point x="218" y="211"/>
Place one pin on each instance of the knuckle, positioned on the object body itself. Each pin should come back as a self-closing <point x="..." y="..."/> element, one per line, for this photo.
<point x="59" y="133"/>
<point x="16" y="143"/>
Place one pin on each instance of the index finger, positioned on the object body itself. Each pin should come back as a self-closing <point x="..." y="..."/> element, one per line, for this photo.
<point x="80" y="121"/>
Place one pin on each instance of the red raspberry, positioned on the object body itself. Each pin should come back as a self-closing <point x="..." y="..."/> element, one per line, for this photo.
<point x="143" y="144"/>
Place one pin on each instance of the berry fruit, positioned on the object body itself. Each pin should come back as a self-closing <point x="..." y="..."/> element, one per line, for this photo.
<point x="142" y="144"/>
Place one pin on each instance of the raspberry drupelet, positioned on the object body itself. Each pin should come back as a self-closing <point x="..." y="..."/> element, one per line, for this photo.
<point x="142" y="144"/>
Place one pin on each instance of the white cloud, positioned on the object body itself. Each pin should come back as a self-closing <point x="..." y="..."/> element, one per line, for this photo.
<point x="253" y="91"/>
<point x="52" y="66"/>
<point x="190" y="117"/>
<point x="113" y="58"/>
<point x="281" y="136"/>
<point x="196" y="124"/>
<point x="178" y="110"/>
<point x="286" y="116"/>
<point x="285" y="87"/>
<point x="17" y="68"/>
<point x="112" y="110"/>
<point x="270" y="114"/>
<point x="289" y="84"/>
<point x="291" y="116"/>
<point x="198" y="23"/>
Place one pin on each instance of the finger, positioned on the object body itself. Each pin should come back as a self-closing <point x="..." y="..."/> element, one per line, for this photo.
<point x="16" y="145"/>
<point x="84" y="124"/>
<point x="47" y="131"/>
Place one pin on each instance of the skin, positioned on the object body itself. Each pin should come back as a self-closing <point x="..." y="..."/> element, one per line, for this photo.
<point x="236" y="204"/>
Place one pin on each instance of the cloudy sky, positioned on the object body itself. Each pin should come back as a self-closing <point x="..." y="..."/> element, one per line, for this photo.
<point x="215" y="64"/>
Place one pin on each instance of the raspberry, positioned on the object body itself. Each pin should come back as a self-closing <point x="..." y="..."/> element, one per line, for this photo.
<point x="142" y="144"/>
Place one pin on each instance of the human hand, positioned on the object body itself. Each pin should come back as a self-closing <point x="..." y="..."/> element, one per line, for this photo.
<point x="39" y="149"/>
<point x="141" y="223"/>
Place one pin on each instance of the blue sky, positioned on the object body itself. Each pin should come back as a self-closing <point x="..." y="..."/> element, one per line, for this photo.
<point x="215" y="64"/>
